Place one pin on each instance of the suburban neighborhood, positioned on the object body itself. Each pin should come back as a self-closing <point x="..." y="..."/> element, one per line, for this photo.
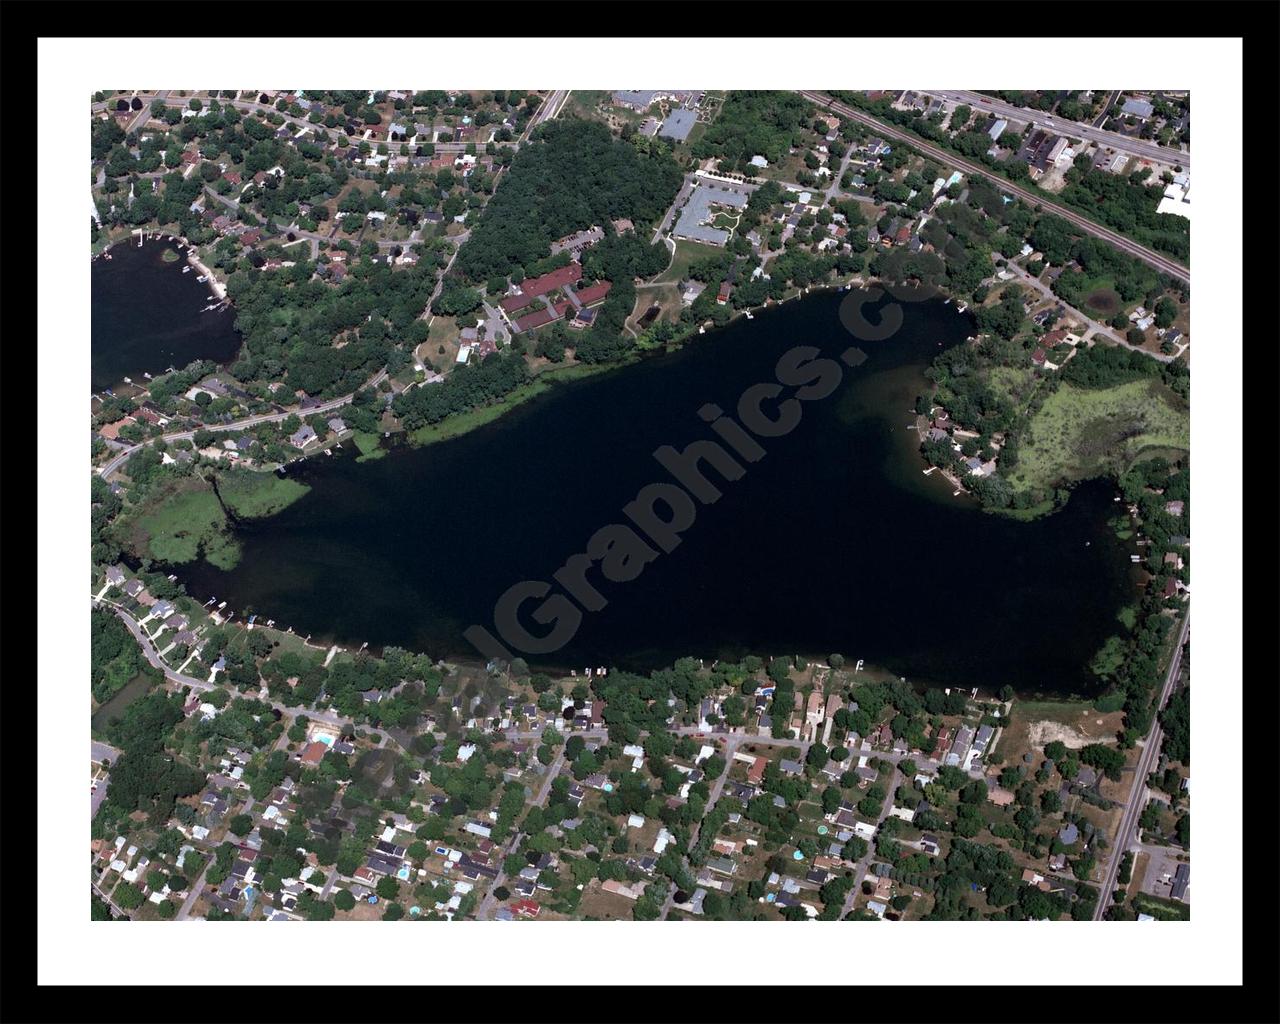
<point x="406" y="266"/>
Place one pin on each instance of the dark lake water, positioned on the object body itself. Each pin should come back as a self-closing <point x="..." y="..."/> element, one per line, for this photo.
<point x="147" y="315"/>
<point x="833" y="542"/>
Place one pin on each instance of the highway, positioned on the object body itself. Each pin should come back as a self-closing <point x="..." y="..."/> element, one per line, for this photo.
<point x="551" y="106"/>
<point x="1163" y="264"/>
<point x="1138" y="795"/>
<point x="1074" y="129"/>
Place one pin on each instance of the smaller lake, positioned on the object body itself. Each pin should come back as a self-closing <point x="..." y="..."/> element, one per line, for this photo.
<point x="147" y="315"/>
<point x="139" y="686"/>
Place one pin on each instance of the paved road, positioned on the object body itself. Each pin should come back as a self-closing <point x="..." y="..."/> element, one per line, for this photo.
<point x="197" y="887"/>
<point x="677" y="204"/>
<point x="115" y="910"/>
<point x="1138" y="797"/>
<point x="249" y="421"/>
<point x="490" y="901"/>
<point x="1101" y="119"/>
<point x="144" y="115"/>
<point x="1094" y="327"/>
<point x="1075" y="129"/>
<point x="732" y="742"/>
<point x="203" y="685"/>
<point x="551" y="106"/>
<point x="1163" y="264"/>
<point x="864" y="862"/>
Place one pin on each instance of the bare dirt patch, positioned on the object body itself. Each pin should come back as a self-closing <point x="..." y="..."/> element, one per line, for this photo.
<point x="1041" y="733"/>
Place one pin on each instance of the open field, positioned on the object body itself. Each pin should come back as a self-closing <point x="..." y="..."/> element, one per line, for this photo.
<point x="686" y="253"/>
<point x="1074" y="723"/>
<point x="1079" y="433"/>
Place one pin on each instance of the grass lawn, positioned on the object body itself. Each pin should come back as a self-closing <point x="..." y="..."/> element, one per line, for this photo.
<point x="1161" y="910"/>
<point x="369" y="445"/>
<point x="461" y="423"/>
<point x="686" y="253"/>
<point x="665" y="296"/>
<point x="1079" y="433"/>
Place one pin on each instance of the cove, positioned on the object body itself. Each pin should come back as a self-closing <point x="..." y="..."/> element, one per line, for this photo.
<point x="833" y="542"/>
<point x="147" y="315"/>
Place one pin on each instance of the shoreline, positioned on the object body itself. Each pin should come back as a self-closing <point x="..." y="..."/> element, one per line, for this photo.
<point x="185" y="248"/>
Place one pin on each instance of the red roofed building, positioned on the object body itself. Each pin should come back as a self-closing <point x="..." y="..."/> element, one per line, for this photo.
<point x="723" y="295"/>
<point x="313" y="753"/>
<point x="112" y="430"/>
<point x="595" y="293"/>
<point x="514" y="303"/>
<point x="532" y="287"/>
<point x="543" y="316"/>
<point x="553" y="281"/>
<point x="756" y="772"/>
<point x="526" y="908"/>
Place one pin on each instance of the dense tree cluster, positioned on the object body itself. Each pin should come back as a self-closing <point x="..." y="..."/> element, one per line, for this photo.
<point x="572" y="176"/>
<point x="754" y="123"/>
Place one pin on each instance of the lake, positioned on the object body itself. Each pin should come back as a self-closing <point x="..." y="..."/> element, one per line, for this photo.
<point x="147" y="315"/>
<point x="834" y="541"/>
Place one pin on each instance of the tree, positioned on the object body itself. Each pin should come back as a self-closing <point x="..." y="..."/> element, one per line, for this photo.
<point x="344" y="901"/>
<point x="127" y="896"/>
<point x="387" y="888"/>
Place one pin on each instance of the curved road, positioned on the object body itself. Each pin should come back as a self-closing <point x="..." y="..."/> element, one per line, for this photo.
<point x="1163" y="264"/>
<point x="249" y="421"/>
<point x="203" y="685"/>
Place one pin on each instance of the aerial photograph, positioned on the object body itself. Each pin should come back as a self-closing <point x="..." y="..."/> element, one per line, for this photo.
<point x="637" y="504"/>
